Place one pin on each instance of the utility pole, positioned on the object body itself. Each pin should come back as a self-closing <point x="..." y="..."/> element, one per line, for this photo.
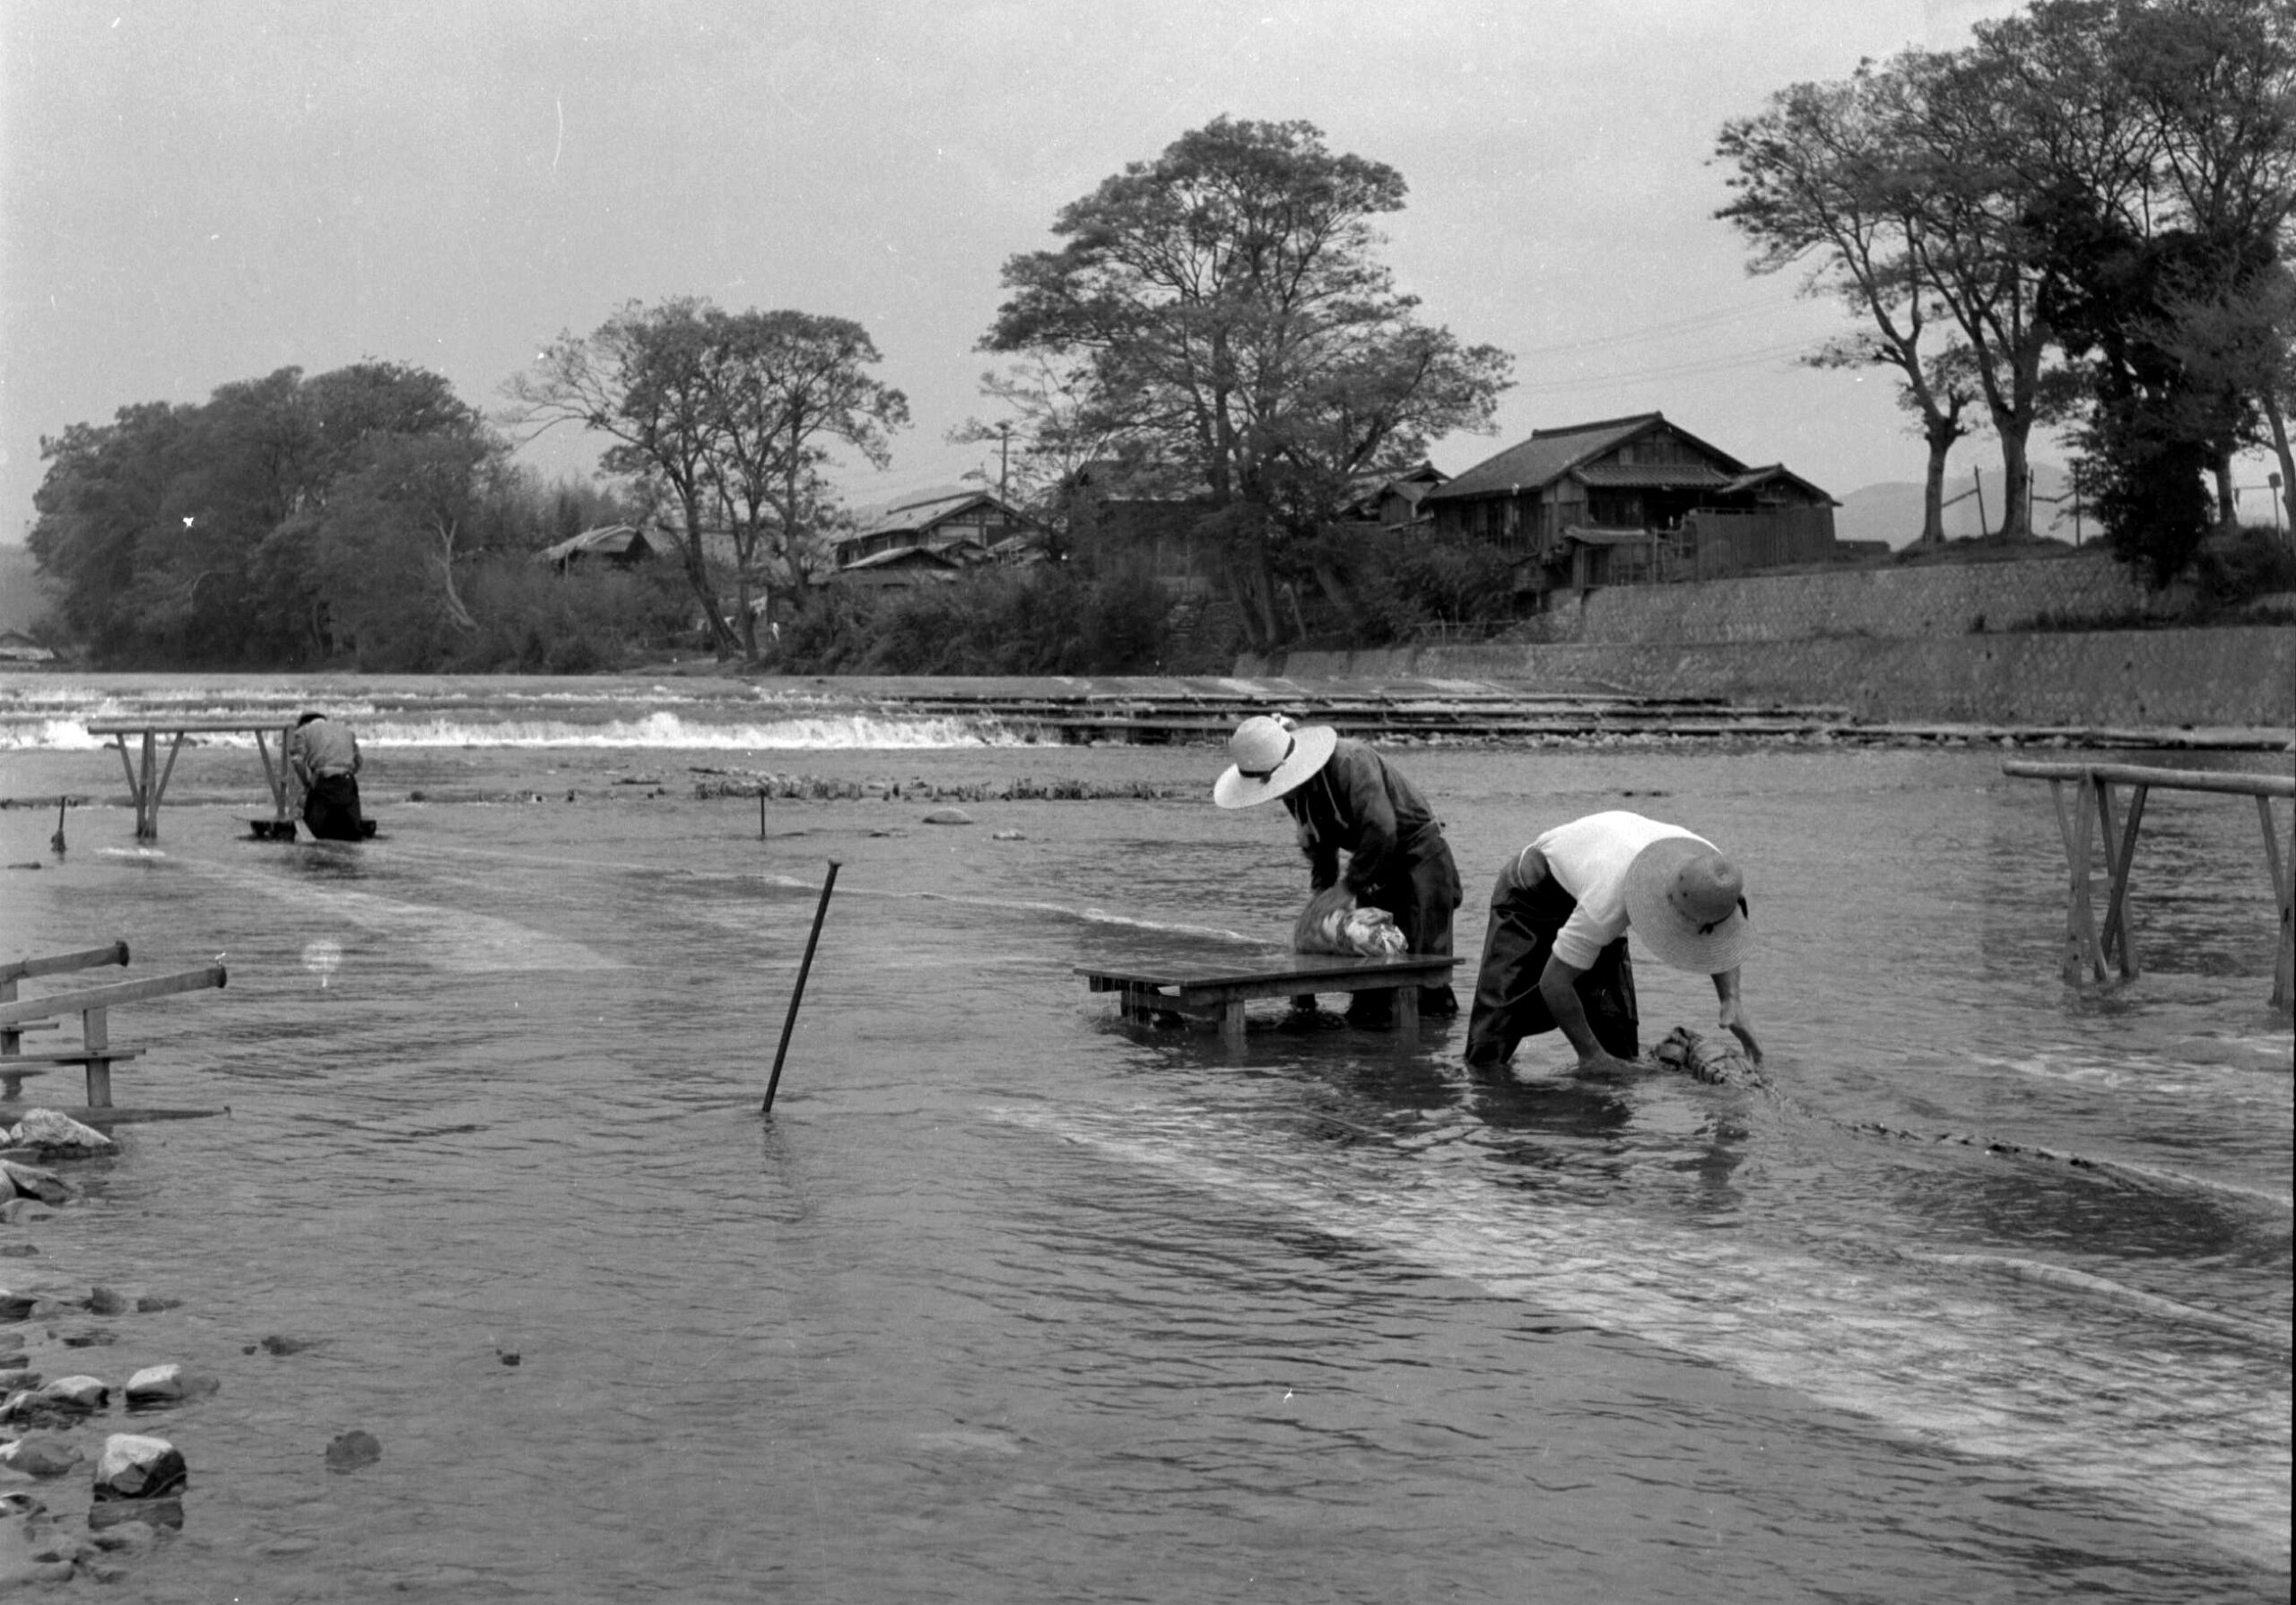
<point x="1003" y="463"/>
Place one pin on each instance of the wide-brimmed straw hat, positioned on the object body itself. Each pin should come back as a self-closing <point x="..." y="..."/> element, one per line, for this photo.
<point x="1687" y="903"/>
<point x="1268" y="757"/>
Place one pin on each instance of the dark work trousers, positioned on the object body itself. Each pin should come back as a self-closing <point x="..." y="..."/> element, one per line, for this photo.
<point x="331" y="809"/>
<point x="1421" y="889"/>
<point x="1528" y="907"/>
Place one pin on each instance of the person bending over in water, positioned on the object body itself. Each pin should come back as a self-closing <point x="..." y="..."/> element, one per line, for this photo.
<point x="1555" y="956"/>
<point x="1344" y="797"/>
<point x="324" y="756"/>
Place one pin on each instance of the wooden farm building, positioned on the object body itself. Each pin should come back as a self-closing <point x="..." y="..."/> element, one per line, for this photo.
<point x="937" y="534"/>
<point x="1632" y="500"/>
<point x="616" y="545"/>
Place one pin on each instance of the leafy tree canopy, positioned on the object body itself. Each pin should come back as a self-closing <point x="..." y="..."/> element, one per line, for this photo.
<point x="1224" y="309"/>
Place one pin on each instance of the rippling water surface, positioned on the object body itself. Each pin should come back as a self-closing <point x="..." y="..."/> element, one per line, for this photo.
<point x="1008" y="1301"/>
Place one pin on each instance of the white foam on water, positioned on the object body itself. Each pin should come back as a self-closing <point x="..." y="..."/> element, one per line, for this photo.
<point x="658" y="730"/>
<point x="2192" y="1432"/>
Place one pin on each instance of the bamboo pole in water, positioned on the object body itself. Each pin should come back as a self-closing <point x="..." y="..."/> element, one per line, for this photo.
<point x="805" y="968"/>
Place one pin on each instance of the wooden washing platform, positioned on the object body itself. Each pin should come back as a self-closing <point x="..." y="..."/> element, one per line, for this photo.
<point x="2094" y="824"/>
<point x="147" y="787"/>
<point x="1219" y="992"/>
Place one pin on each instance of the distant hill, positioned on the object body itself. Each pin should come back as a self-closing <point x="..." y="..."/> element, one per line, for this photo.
<point x="1891" y="512"/>
<point x="24" y="599"/>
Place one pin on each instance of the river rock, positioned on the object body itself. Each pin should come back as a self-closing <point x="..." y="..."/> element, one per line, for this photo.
<point x="948" y="816"/>
<point x="157" y="1385"/>
<point x="41" y="1454"/>
<point x="350" y="1451"/>
<point x="29" y="1181"/>
<point x="54" y="1135"/>
<point x="63" y="1403"/>
<point x="136" y="1467"/>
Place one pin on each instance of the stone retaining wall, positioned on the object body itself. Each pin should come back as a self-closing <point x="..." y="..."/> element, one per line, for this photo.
<point x="1937" y="599"/>
<point x="2241" y="676"/>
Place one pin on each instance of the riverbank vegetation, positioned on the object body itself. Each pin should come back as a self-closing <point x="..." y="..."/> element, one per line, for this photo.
<point x="2080" y="222"/>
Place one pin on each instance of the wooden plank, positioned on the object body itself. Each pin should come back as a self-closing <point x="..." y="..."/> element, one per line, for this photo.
<point x="88" y="998"/>
<point x="1282" y="970"/>
<point x="2189" y="780"/>
<point x="68" y="1055"/>
<point x="56" y="963"/>
<point x="124" y="727"/>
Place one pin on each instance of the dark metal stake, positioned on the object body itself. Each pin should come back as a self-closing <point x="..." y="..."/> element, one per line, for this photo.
<point x="761" y="816"/>
<point x="803" y="969"/>
<point x="56" y="841"/>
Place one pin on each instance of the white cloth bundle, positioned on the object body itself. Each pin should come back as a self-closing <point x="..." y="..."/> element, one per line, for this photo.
<point x="1334" y="923"/>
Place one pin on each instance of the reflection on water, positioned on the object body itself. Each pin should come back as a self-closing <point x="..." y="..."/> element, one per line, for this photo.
<point x="1987" y="1296"/>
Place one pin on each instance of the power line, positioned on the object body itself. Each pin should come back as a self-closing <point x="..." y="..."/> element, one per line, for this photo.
<point x="1752" y="359"/>
<point x="1659" y="330"/>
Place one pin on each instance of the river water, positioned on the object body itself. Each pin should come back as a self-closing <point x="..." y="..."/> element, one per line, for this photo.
<point x="1010" y="1301"/>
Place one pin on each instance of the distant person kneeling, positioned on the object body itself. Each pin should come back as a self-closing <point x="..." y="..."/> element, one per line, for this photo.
<point x="324" y="756"/>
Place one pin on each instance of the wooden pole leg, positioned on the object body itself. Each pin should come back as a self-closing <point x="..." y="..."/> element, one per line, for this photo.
<point x="1406" y="1012"/>
<point x="95" y="1035"/>
<point x="1231" y="1025"/>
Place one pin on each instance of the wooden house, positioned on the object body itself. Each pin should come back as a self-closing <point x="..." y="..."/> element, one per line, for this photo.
<point x="1396" y="503"/>
<point x="1629" y="500"/>
<point x="616" y="545"/>
<point x="965" y="526"/>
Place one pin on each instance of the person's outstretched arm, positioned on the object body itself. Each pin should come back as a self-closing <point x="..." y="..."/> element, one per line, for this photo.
<point x="1734" y="1013"/>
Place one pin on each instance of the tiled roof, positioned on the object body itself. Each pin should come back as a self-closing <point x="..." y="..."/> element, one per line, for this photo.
<point x="922" y="556"/>
<point x="1544" y="457"/>
<point x="1779" y="473"/>
<point x="1658" y="475"/>
<point x="609" y="540"/>
<point x="1550" y="453"/>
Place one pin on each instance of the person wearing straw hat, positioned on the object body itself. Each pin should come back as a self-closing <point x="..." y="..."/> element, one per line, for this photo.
<point x="1345" y="798"/>
<point x="1555" y="958"/>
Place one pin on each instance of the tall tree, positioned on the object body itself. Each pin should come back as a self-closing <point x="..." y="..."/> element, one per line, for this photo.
<point x="643" y="378"/>
<point x="185" y="534"/>
<point x="1228" y="306"/>
<point x="1822" y="180"/>
<point x="726" y="418"/>
<point x="788" y="385"/>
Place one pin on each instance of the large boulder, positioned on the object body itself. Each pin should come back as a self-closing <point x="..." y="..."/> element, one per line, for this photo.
<point x="56" y="1136"/>
<point x="136" y="1467"/>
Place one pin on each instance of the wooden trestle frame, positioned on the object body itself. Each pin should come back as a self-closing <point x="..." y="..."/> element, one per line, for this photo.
<point x="2092" y="945"/>
<point x="145" y="789"/>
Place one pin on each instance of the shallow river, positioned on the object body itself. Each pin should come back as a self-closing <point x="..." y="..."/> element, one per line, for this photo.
<point x="1008" y="1301"/>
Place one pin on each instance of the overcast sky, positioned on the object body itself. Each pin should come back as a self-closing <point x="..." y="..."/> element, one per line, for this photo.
<point x="194" y="192"/>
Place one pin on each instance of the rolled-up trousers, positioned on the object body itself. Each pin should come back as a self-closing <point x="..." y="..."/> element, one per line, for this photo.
<point x="1528" y="907"/>
<point x="331" y="809"/>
